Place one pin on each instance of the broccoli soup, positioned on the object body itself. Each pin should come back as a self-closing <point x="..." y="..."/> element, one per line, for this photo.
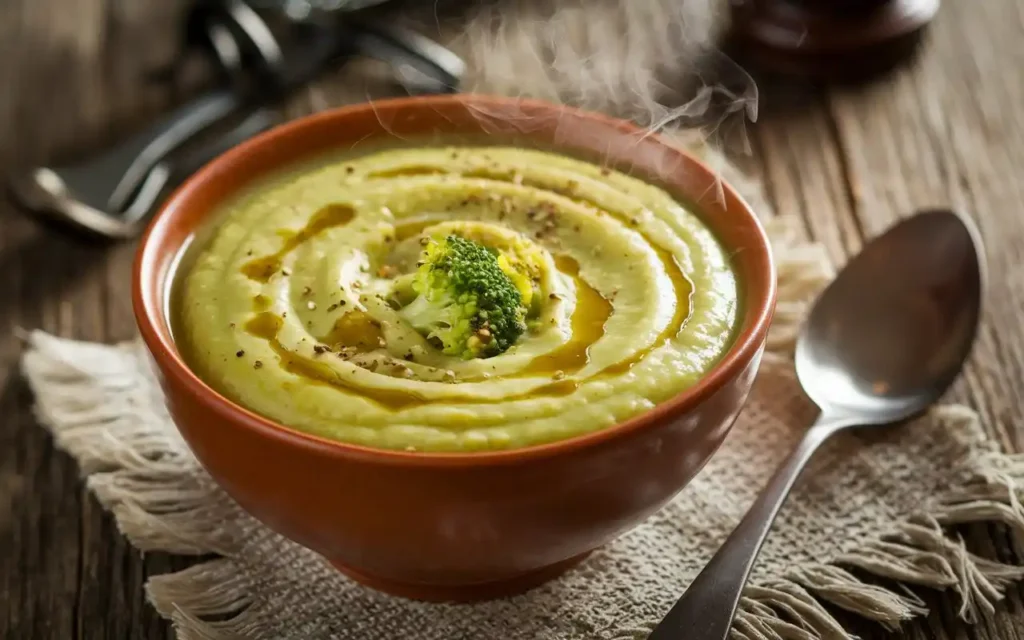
<point x="454" y="299"/>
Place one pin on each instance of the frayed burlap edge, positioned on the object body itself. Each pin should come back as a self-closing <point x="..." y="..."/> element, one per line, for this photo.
<point x="161" y="505"/>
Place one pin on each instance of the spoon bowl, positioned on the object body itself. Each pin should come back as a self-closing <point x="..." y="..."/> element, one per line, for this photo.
<point x="883" y="342"/>
<point x="890" y="335"/>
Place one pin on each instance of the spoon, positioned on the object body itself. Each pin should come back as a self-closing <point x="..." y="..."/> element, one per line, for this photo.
<point x="882" y="343"/>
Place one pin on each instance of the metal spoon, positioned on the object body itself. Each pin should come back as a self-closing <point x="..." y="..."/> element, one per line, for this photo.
<point x="882" y="343"/>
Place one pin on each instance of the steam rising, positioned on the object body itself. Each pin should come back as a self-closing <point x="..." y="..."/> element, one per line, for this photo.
<point x="654" y="62"/>
<point x="651" y="61"/>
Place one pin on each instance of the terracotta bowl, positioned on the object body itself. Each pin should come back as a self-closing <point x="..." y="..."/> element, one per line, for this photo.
<point x="456" y="526"/>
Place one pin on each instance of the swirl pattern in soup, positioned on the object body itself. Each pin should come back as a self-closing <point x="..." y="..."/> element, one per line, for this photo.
<point x="290" y="308"/>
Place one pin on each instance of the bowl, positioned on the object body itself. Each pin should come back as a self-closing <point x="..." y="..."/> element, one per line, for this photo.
<point x="462" y="526"/>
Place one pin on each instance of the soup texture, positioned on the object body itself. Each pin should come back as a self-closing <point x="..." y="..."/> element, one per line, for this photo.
<point x="454" y="299"/>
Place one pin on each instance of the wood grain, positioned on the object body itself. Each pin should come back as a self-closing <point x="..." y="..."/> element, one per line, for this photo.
<point x="72" y="76"/>
<point x="948" y="131"/>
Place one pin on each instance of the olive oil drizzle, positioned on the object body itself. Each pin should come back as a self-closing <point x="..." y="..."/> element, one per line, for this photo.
<point x="357" y="329"/>
<point x="363" y="333"/>
<point x="587" y="322"/>
<point x="330" y="216"/>
<point x="407" y="171"/>
<point x="267" y="325"/>
<point x="684" y="294"/>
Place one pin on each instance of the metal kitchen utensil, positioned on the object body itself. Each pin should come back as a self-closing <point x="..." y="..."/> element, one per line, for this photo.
<point x="94" y="194"/>
<point x="312" y="9"/>
<point x="106" y="195"/>
<point x="882" y="343"/>
<point x="168" y="172"/>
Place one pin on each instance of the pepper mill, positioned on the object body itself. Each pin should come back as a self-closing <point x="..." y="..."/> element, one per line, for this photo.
<point x="829" y="39"/>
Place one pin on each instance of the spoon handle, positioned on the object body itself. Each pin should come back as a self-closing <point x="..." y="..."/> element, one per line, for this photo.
<point x="706" y="610"/>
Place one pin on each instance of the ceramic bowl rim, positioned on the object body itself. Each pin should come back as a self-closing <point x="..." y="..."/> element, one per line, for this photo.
<point x="147" y="303"/>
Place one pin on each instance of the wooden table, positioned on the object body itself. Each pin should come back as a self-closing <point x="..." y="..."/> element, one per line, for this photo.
<point x="949" y="131"/>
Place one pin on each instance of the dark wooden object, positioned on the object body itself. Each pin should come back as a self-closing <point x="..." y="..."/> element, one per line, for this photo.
<point x="848" y="39"/>
<point x="950" y="130"/>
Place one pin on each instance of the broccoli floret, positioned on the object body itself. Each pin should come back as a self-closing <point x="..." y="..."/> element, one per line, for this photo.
<point x="464" y="301"/>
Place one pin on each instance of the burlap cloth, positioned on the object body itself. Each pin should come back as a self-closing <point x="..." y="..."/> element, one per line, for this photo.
<point x="874" y="516"/>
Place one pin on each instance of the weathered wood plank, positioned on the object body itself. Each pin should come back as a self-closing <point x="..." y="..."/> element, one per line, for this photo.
<point x="949" y="132"/>
<point x="42" y="540"/>
<point x="72" y="76"/>
<point x="804" y="169"/>
<point x="945" y="132"/>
